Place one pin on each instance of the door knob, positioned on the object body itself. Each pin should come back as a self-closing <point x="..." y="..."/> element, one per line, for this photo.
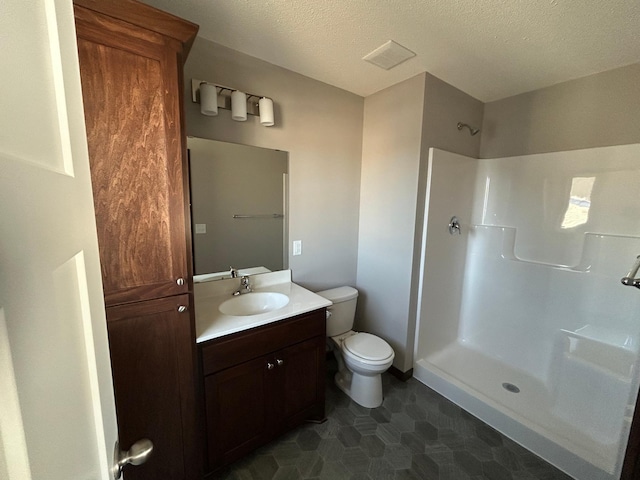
<point x="279" y="362"/>
<point x="136" y="455"/>
<point x="270" y="366"/>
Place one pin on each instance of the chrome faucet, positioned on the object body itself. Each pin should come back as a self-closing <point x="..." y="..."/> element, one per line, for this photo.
<point x="245" y="287"/>
<point x="233" y="272"/>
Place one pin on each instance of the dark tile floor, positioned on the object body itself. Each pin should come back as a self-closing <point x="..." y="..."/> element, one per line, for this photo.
<point x="415" y="434"/>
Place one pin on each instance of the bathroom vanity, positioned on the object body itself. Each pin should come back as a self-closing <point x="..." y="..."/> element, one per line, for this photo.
<point x="263" y="374"/>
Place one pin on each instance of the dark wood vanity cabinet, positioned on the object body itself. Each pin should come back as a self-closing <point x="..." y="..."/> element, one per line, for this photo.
<point x="262" y="382"/>
<point x="131" y="71"/>
<point x="131" y="59"/>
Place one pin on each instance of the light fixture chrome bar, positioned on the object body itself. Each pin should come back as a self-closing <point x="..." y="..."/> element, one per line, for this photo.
<point x="224" y="96"/>
<point x="266" y="215"/>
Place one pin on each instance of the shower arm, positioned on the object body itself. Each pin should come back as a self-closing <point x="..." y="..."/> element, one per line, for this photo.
<point x="630" y="280"/>
<point x="472" y="131"/>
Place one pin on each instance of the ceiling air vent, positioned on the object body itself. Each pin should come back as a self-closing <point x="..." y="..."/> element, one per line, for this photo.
<point x="389" y="55"/>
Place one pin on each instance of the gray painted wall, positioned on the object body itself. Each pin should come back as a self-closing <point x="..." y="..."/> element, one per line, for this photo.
<point x="321" y="128"/>
<point x="594" y="111"/>
<point x="401" y="123"/>
<point x="391" y="142"/>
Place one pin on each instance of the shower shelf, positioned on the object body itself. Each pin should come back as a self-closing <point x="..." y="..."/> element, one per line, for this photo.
<point x="509" y="236"/>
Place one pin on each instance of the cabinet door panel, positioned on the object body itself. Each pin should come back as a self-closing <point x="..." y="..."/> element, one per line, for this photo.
<point x="145" y="341"/>
<point x="237" y="410"/>
<point x="130" y="87"/>
<point x="303" y="381"/>
<point x="278" y="384"/>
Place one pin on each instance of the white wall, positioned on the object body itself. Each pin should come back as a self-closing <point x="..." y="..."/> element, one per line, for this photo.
<point x="321" y="128"/>
<point x="443" y="254"/>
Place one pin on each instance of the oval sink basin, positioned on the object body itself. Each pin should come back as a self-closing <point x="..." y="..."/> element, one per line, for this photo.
<point x="253" y="303"/>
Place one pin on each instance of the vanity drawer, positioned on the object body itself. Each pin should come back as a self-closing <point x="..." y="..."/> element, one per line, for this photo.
<point x="230" y="350"/>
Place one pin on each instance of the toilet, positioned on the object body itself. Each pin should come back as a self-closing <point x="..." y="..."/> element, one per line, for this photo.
<point x="362" y="357"/>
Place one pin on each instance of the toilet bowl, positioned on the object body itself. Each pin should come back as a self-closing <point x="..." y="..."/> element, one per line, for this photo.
<point x="362" y="357"/>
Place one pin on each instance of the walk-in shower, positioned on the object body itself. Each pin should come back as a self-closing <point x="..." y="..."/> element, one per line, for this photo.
<point x="522" y="317"/>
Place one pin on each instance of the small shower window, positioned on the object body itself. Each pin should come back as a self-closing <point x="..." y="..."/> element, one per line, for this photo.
<point x="577" y="212"/>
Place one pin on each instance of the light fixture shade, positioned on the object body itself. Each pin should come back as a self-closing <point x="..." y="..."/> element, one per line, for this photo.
<point x="208" y="99"/>
<point x="238" y="106"/>
<point x="266" y="111"/>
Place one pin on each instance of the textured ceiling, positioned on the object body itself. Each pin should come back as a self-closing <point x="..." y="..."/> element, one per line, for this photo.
<point x="490" y="49"/>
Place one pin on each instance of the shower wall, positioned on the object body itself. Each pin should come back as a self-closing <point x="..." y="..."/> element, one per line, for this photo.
<point x="530" y="295"/>
<point x="450" y="185"/>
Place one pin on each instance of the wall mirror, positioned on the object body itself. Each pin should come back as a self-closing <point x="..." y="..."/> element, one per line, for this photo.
<point x="239" y="214"/>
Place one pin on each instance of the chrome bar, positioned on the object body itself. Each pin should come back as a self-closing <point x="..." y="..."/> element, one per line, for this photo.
<point x="631" y="280"/>
<point x="266" y="215"/>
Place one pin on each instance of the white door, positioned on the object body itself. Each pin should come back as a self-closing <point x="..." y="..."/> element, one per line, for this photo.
<point x="57" y="413"/>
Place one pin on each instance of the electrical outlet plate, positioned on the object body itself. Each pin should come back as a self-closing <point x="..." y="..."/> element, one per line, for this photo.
<point x="297" y="247"/>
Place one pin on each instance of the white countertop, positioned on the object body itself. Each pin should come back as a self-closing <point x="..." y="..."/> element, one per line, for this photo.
<point x="211" y="323"/>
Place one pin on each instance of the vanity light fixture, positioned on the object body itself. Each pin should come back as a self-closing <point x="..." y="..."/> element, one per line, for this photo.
<point x="208" y="99"/>
<point x="239" y="106"/>
<point x="212" y="97"/>
<point x="266" y="111"/>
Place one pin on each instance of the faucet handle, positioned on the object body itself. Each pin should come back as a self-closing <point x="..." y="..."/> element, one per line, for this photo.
<point x="233" y="272"/>
<point x="244" y="284"/>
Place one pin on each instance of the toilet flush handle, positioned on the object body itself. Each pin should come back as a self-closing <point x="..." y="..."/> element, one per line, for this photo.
<point x="329" y="314"/>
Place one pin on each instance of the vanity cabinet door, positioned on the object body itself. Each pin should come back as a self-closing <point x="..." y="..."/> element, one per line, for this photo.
<point x="131" y="85"/>
<point x="153" y="380"/>
<point x="302" y="374"/>
<point x="238" y="402"/>
<point x="249" y="404"/>
<point x="262" y="382"/>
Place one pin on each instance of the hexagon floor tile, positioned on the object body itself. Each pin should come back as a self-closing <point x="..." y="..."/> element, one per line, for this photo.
<point x="416" y="434"/>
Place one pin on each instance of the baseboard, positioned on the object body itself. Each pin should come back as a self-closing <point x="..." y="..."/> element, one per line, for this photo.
<point x="402" y="376"/>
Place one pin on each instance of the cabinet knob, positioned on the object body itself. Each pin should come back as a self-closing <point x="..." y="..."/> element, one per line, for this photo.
<point x="280" y="362"/>
<point x="270" y="366"/>
<point x="182" y="309"/>
<point x="180" y="281"/>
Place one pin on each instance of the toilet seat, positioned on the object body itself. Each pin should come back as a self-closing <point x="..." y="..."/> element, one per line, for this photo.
<point x="368" y="348"/>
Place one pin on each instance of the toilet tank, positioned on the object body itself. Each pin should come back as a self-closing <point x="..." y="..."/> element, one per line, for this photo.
<point x="343" y="310"/>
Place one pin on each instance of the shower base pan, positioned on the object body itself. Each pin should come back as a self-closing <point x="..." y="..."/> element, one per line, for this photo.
<point x="520" y="406"/>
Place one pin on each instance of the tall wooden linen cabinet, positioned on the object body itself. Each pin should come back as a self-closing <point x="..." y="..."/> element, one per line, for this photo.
<point x="131" y="58"/>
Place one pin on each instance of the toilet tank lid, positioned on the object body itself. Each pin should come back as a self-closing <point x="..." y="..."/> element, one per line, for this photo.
<point x="339" y="294"/>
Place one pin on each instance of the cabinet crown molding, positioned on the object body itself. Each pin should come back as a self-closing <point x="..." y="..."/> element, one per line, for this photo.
<point x="147" y="17"/>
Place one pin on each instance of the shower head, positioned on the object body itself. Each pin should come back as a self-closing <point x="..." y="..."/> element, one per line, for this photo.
<point x="472" y="131"/>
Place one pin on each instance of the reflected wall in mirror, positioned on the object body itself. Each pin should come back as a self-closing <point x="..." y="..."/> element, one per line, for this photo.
<point x="238" y="206"/>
